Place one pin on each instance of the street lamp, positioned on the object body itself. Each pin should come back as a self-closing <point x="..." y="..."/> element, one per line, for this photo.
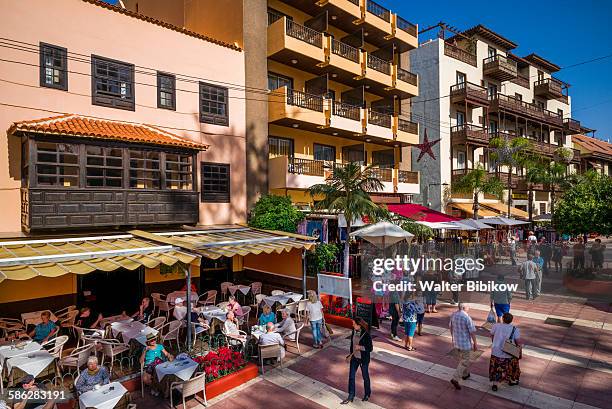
<point x="433" y="184"/>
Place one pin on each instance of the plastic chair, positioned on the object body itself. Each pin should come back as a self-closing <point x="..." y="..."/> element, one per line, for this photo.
<point x="270" y="351"/>
<point x="110" y="349"/>
<point x="277" y="292"/>
<point x="189" y="388"/>
<point x="170" y="332"/>
<point x="77" y="358"/>
<point x="224" y="287"/>
<point x="209" y="297"/>
<point x="244" y="317"/>
<point x="301" y="309"/>
<point x="294" y="336"/>
<point x="62" y="313"/>
<point x="10" y="325"/>
<point x="57" y="345"/>
<point x="258" y="300"/>
<point x="164" y="307"/>
<point x="157" y="323"/>
<point x="291" y="308"/>
<point x="196" y="329"/>
<point x="69" y="320"/>
<point x="85" y="335"/>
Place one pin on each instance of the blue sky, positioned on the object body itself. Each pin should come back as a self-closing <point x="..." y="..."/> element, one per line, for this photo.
<point x="565" y="32"/>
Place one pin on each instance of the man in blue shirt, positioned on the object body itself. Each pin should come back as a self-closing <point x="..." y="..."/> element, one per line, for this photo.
<point x="45" y="330"/>
<point x="539" y="261"/>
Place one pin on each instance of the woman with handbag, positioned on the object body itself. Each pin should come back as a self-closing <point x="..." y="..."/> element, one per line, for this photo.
<point x="361" y="347"/>
<point x="505" y="353"/>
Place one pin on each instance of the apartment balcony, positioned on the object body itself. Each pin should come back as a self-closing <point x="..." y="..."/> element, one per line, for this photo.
<point x="405" y="131"/>
<point x="294" y="44"/>
<point x="405" y="81"/>
<point x="522" y="80"/>
<point x="396" y="180"/>
<point x="503" y="176"/>
<point x="514" y="106"/>
<point x="469" y="134"/>
<point x="468" y="93"/>
<point x="346" y="119"/>
<point x="346" y="58"/>
<point x="457" y="174"/>
<point x="460" y="54"/>
<point x="295" y="173"/>
<point x="405" y="31"/>
<point x="499" y="67"/>
<point x="379" y="125"/>
<point x="377" y="71"/>
<point x="571" y="126"/>
<point x="377" y="22"/>
<point x="297" y="109"/>
<point x="549" y="88"/>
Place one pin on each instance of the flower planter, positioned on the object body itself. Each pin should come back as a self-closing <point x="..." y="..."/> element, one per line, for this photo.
<point x="587" y="287"/>
<point x="228" y="382"/>
<point x="344" y="322"/>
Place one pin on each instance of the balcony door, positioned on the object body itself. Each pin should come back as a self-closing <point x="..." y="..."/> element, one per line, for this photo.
<point x="354" y="153"/>
<point x="384" y="158"/>
<point x="460" y="118"/>
<point x="280" y="147"/>
<point x="317" y="85"/>
<point x="492" y="91"/>
<point x="460" y="160"/>
<point x="460" y="78"/>
<point x="326" y="153"/>
<point x="491" y="52"/>
<point x="276" y="81"/>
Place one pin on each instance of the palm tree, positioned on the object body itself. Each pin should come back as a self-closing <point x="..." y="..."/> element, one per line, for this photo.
<point x="511" y="153"/>
<point x="477" y="181"/>
<point x="553" y="174"/>
<point x="347" y="191"/>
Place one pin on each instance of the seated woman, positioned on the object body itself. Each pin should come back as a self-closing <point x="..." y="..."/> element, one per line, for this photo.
<point x="144" y="311"/>
<point x="233" y="306"/>
<point x="230" y="327"/>
<point x="88" y="319"/>
<point x="92" y="376"/>
<point x="152" y="355"/>
<point x="45" y="330"/>
<point x="267" y="316"/>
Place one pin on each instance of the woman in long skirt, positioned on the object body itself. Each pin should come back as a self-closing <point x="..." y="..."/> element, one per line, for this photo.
<point x="503" y="366"/>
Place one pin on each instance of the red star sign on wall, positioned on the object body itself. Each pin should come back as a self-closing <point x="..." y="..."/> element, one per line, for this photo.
<point x="426" y="146"/>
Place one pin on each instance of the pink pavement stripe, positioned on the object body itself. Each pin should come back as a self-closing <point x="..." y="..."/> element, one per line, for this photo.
<point x="396" y="387"/>
<point x="266" y="395"/>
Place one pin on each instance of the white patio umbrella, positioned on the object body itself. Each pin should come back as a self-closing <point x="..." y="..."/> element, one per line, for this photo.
<point x="382" y="234"/>
<point x="357" y="222"/>
<point x="503" y="221"/>
<point x="440" y="225"/>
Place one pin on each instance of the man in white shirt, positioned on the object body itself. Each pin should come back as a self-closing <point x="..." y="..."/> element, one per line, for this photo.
<point x="528" y="270"/>
<point x="272" y="338"/>
<point x="287" y="325"/>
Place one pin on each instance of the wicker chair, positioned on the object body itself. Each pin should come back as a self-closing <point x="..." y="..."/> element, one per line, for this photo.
<point x="189" y="388"/>
<point x="294" y="336"/>
<point x="110" y="349"/>
<point x="243" y="318"/>
<point x="157" y="323"/>
<point x="258" y="300"/>
<point x="56" y="345"/>
<point x="170" y="332"/>
<point x="77" y="358"/>
<point x="208" y="298"/>
<point x="224" y="288"/>
<point x="270" y="351"/>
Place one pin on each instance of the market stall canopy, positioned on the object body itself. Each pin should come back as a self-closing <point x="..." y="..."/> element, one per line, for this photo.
<point x="228" y="241"/>
<point x="420" y="213"/>
<point x="474" y="224"/>
<point x="25" y="259"/>
<point x="357" y="222"/>
<point x="468" y="208"/>
<point x="440" y="225"/>
<point x="503" y="221"/>
<point x="503" y="209"/>
<point x="383" y="234"/>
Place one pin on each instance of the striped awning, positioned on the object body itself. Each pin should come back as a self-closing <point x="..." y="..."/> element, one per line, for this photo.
<point x="468" y="208"/>
<point x="25" y="259"/>
<point x="503" y="209"/>
<point x="228" y="241"/>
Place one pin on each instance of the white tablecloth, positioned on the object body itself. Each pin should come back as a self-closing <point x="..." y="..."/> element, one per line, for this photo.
<point x="103" y="398"/>
<point x="33" y="318"/>
<point x="182" y="368"/>
<point x="138" y="335"/>
<point x="244" y="289"/>
<point x="211" y="312"/>
<point x="116" y="318"/>
<point x="6" y="352"/>
<point x="32" y="363"/>
<point x="121" y="327"/>
<point x="282" y="299"/>
<point x="170" y="298"/>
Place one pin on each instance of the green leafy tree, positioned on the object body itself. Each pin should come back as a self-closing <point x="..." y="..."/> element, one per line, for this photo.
<point x="586" y="206"/>
<point x="552" y="174"/>
<point x="477" y="182"/>
<point x="321" y="257"/>
<point x="421" y="233"/>
<point x="273" y="212"/>
<point x="512" y="153"/>
<point x="347" y="191"/>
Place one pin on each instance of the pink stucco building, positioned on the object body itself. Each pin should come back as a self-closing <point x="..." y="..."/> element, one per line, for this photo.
<point x="115" y="79"/>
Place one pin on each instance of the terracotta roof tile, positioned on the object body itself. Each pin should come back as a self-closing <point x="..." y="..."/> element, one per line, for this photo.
<point x="163" y="24"/>
<point x="592" y="144"/>
<point x="86" y="127"/>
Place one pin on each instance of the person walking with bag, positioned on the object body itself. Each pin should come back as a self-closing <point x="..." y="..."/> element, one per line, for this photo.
<point x="501" y="299"/>
<point x="463" y="334"/>
<point x="505" y="353"/>
<point x="361" y="347"/>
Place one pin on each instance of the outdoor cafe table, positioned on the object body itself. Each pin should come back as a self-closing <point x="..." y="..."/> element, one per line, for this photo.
<point x="132" y="330"/>
<point x="107" y="397"/>
<point x="115" y="318"/>
<point x="282" y="299"/>
<point x="244" y="289"/>
<point x="33" y="318"/>
<point x="11" y="351"/>
<point x="214" y="315"/>
<point x="168" y="372"/>
<point x="170" y="298"/>
<point x="33" y="363"/>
